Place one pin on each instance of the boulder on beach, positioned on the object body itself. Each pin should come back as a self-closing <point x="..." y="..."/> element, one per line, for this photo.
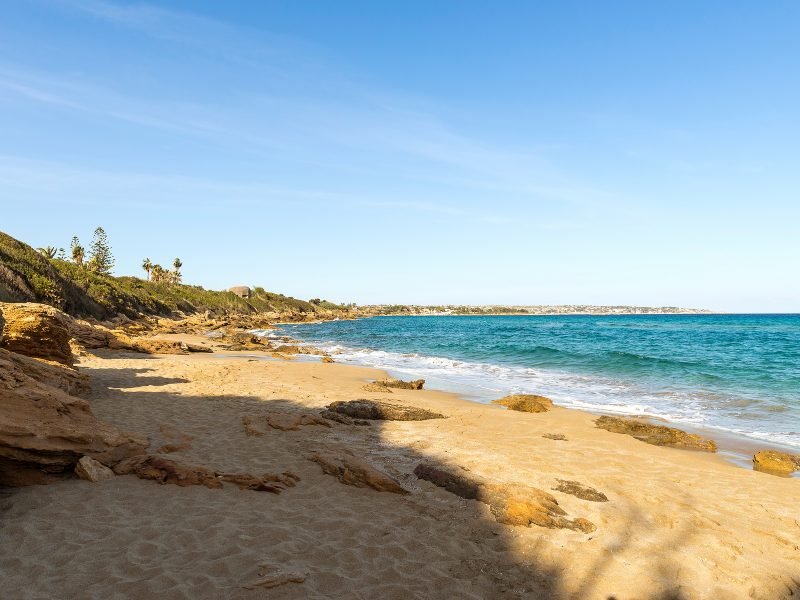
<point x="510" y="504"/>
<point x="526" y="403"/>
<point x="776" y="463"/>
<point x="92" y="470"/>
<point x="382" y="411"/>
<point x="36" y="330"/>
<point x="657" y="435"/>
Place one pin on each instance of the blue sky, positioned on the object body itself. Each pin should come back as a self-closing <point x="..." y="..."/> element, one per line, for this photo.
<point x="427" y="152"/>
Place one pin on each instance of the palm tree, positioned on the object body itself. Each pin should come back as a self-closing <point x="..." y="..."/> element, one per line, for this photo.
<point x="176" y="265"/>
<point x="158" y="273"/>
<point x="48" y="251"/>
<point x="147" y="266"/>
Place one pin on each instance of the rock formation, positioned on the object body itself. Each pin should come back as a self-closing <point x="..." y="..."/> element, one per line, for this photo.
<point x="382" y="411"/>
<point x="577" y="489"/>
<point x="658" y="435"/>
<point x="36" y="330"/>
<point x="776" y="463"/>
<point x="510" y="504"/>
<point x="402" y="385"/>
<point x="357" y="472"/>
<point x="92" y="470"/>
<point x="376" y="386"/>
<point x="44" y="431"/>
<point x="526" y="403"/>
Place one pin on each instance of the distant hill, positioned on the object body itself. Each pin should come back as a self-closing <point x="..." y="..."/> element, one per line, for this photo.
<point x="27" y="276"/>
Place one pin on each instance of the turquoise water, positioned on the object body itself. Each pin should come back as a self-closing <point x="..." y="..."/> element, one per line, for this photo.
<point x="738" y="373"/>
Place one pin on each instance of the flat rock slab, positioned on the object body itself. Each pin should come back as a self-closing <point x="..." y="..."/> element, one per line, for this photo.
<point x="510" y="504"/>
<point x="355" y="471"/>
<point x="577" y="489"/>
<point x="382" y="411"/>
<point x="525" y="403"/>
<point x="657" y="435"/>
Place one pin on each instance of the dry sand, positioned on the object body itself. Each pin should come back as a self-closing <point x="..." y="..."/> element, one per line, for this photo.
<point x="678" y="524"/>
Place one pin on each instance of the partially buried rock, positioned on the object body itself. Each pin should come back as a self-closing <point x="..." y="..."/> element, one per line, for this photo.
<point x="281" y="421"/>
<point x="274" y="484"/>
<point x="658" y="435"/>
<point x="525" y="403"/>
<point x="327" y="359"/>
<point x="166" y="471"/>
<point x="354" y="471"/>
<point x="343" y="419"/>
<point x="382" y="411"/>
<point x="776" y="463"/>
<point x="402" y="385"/>
<point x="36" y="330"/>
<point x="510" y="504"/>
<point x="584" y="492"/>
<point x="555" y="436"/>
<point x="92" y="470"/>
<point x="376" y="386"/>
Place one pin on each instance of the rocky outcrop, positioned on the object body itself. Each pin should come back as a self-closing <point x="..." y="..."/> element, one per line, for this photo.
<point x="402" y="385"/>
<point x="44" y="431"/>
<point x="354" y="471"/>
<point x="381" y="411"/>
<point x="776" y="463"/>
<point x="92" y="470"/>
<point x="150" y="345"/>
<point x="658" y="435"/>
<point x="36" y="330"/>
<point x="510" y="504"/>
<point x="577" y="489"/>
<point x="53" y="374"/>
<point x="166" y="471"/>
<point x="526" y="403"/>
<point x="332" y="415"/>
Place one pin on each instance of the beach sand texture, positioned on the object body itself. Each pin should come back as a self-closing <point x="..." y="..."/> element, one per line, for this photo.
<point x="678" y="524"/>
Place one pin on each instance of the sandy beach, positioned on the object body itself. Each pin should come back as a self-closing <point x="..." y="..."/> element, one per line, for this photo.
<point x="677" y="524"/>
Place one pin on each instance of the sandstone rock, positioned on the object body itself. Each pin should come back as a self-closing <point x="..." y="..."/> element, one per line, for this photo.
<point x="376" y="386"/>
<point x="274" y="484"/>
<point x="274" y="579"/>
<point x="525" y="403"/>
<point x="52" y="374"/>
<point x="36" y="330"/>
<point x="402" y="385"/>
<point x="163" y="471"/>
<point x="382" y="411"/>
<point x="357" y="472"/>
<point x="91" y="470"/>
<point x="577" y="489"/>
<point x="87" y="335"/>
<point x="2" y="325"/>
<point x="44" y="432"/>
<point x="149" y="345"/>
<point x="327" y="359"/>
<point x="281" y="421"/>
<point x="343" y="419"/>
<point x="555" y="436"/>
<point x="510" y="504"/>
<point x="658" y="435"/>
<point x="776" y="463"/>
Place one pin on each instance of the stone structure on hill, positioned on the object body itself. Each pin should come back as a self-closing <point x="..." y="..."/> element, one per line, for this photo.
<point x="240" y="290"/>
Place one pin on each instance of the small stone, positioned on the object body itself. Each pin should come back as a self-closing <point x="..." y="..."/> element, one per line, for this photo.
<point x="92" y="470"/>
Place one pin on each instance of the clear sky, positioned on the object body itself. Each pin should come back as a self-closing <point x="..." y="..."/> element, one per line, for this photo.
<point x="416" y="151"/>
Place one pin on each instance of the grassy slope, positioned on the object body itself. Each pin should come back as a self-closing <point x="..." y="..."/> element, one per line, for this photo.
<point x="26" y="276"/>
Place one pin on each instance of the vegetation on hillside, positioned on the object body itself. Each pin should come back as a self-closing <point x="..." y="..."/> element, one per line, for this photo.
<point x="84" y="287"/>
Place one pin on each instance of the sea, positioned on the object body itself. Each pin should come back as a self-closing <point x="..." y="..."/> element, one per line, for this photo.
<point x="738" y="374"/>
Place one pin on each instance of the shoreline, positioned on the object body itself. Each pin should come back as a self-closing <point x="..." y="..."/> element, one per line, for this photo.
<point x="740" y="446"/>
<point x="676" y="523"/>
